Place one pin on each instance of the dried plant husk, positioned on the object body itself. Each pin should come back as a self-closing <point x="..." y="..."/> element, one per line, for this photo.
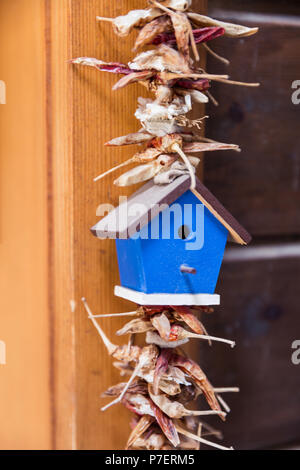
<point x="151" y="30"/>
<point x="154" y="338"/>
<point x="137" y="386"/>
<point x="143" y="424"/>
<point x="133" y="78"/>
<point x="193" y="370"/>
<point x="155" y="441"/>
<point x="153" y="309"/>
<point x="130" y="139"/>
<point x="138" y="174"/>
<point x="148" y="357"/>
<point x="162" y="325"/>
<point x="112" y="67"/>
<point x="162" y="59"/>
<point x="138" y="325"/>
<point x="188" y="394"/>
<point x="167" y="175"/>
<point x="146" y="361"/>
<point x="209" y="147"/>
<point x="186" y="315"/>
<point x="142" y="405"/>
<point x="182" y="27"/>
<point x="166" y="424"/>
<point x="138" y="403"/>
<point x="197" y="96"/>
<point x="201" y="35"/>
<point x="178" y="333"/>
<point x="161" y="367"/>
<point x="176" y="374"/>
<point x="200" y="84"/>
<point x="145" y="156"/>
<point x="231" y="30"/>
<point x="160" y="119"/>
<point x="172" y="408"/>
<point x="163" y="94"/>
<point x="123" y="25"/>
<point x="170" y="387"/>
<point x="170" y="383"/>
<point x="131" y="354"/>
<point x="144" y="172"/>
<point x="165" y="143"/>
<point x="178" y="5"/>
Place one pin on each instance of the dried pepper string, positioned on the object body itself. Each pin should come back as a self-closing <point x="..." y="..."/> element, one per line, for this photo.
<point x="163" y="381"/>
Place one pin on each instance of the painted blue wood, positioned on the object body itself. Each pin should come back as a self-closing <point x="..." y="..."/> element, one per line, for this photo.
<point x="150" y="261"/>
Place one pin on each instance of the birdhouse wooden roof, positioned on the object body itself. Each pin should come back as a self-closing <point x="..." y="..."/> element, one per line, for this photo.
<point x="150" y="199"/>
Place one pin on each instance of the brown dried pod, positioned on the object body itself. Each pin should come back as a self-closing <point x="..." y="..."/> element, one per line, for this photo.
<point x="154" y="338"/>
<point x="231" y="30"/>
<point x="166" y="424"/>
<point x="124" y="24"/>
<point x="161" y="367"/>
<point x="138" y="325"/>
<point x="186" y="314"/>
<point x="162" y="325"/>
<point x="151" y="30"/>
<point x="130" y="139"/>
<point x="146" y="360"/>
<point x="209" y="147"/>
<point x="146" y="156"/>
<point x="181" y="26"/>
<point x="156" y="441"/>
<point x="133" y="78"/>
<point x="196" y="373"/>
<point x="145" y="172"/>
<point x="137" y="386"/>
<point x="178" y="333"/>
<point x="182" y="29"/>
<point x="143" y="424"/>
<point x="175" y="409"/>
<point x="162" y="59"/>
<point x="178" y="5"/>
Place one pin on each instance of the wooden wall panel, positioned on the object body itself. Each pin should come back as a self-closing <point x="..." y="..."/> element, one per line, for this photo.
<point x="261" y="185"/>
<point x="260" y="310"/>
<point x="25" y="389"/>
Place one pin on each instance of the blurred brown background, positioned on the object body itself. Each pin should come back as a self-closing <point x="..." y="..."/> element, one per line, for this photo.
<point x="259" y="285"/>
<point x="51" y="134"/>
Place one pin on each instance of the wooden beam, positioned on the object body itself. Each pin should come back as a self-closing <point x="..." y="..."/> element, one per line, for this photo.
<point x="25" y="388"/>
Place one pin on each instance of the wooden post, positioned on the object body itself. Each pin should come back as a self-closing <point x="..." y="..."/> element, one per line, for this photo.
<point x="75" y="112"/>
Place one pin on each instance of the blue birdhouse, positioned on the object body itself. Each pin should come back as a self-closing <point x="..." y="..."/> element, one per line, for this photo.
<point x="170" y="243"/>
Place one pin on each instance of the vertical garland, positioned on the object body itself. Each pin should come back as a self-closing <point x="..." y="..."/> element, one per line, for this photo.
<point x="162" y="380"/>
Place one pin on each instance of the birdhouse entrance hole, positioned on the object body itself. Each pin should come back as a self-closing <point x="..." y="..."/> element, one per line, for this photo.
<point x="184" y="232"/>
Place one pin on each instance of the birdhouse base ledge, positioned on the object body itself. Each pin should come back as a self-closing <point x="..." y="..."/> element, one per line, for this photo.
<point x="141" y="298"/>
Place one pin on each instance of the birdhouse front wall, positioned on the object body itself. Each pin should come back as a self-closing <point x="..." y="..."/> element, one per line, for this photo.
<point x="185" y="233"/>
